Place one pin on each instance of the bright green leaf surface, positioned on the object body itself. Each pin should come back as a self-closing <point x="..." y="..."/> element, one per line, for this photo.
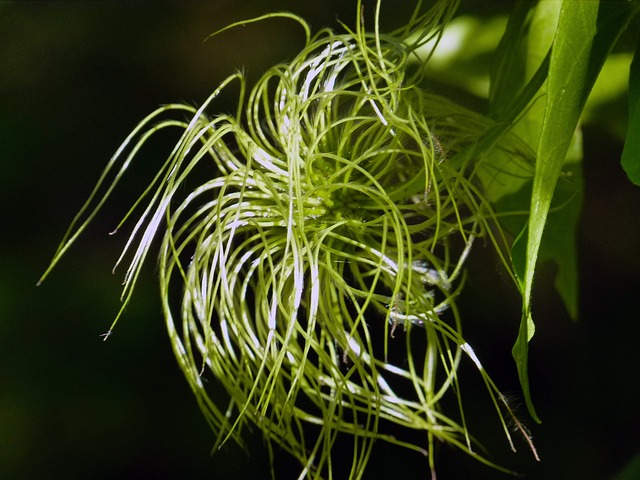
<point x="566" y="87"/>
<point x="507" y="72"/>
<point x="584" y="39"/>
<point x="558" y="244"/>
<point x="612" y="83"/>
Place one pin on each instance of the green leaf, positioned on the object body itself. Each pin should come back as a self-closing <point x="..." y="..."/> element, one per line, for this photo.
<point x="559" y="242"/>
<point x="566" y="92"/>
<point x="613" y="19"/>
<point x="584" y="38"/>
<point x="561" y="225"/>
<point x="631" y="151"/>
<point x="507" y="69"/>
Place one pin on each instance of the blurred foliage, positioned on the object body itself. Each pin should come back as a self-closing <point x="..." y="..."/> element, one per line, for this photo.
<point x="631" y="471"/>
<point x="75" y="77"/>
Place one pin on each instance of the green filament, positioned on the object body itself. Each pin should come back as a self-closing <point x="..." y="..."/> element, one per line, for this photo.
<point x="333" y="218"/>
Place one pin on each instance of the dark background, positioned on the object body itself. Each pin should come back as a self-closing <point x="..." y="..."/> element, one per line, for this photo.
<point x="75" y="78"/>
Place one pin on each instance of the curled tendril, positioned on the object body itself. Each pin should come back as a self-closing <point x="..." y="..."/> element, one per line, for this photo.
<point x="333" y="215"/>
